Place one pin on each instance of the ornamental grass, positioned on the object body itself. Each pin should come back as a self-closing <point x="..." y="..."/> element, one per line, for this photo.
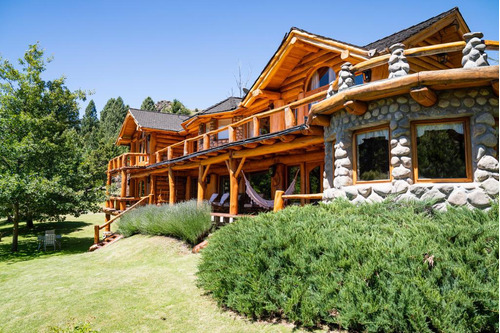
<point x="187" y="221"/>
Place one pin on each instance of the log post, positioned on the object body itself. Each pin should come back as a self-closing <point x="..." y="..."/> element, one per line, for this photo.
<point x="152" y="189"/>
<point x="278" y="201"/>
<point x="186" y="148"/>
<point x="107" y="217"/>
<point x="206" y="142"/>
<point x="123" y="192"/>
<point x="170" y="153"/>
<point x="171" y="187"/>
<point x="289" y="118"/>
<point x="152" y="149"/>
<point x="96" y="234"/>
<point x="256" y="126"/>
<point x="233" y="186"/>
<point x="201" y="185"/>
<point x="232" y="134"/>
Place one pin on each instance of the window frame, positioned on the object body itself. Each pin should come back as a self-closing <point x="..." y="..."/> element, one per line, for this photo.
<point x="467" y="143"/>
<point x="230" y="121"/>
<point x="355" y="155"/>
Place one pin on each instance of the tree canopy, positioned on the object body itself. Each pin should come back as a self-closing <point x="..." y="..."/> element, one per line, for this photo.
<point x="41" y="154"/>
<point x="89" y="122"/>
<point x="148" y="104"/>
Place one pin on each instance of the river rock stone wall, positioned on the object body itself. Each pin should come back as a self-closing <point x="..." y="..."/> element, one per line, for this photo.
<point x="479" y="105"/>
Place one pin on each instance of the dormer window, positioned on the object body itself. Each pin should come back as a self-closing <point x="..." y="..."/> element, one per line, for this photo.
<point x="322" y="77"/>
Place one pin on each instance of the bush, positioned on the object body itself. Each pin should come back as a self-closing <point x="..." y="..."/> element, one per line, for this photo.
<point x="185" y="220"/>
<point x="388" y="267"/>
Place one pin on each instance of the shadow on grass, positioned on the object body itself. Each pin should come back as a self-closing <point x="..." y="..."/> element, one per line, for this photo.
<point x="28" y="244"/>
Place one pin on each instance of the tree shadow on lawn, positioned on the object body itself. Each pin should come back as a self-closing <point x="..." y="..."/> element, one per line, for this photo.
<point x="28" y="243"/>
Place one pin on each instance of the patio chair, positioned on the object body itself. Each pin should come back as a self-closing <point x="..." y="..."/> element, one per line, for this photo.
<point x="50" y="240"/>
<point x="222" y="200"/>
<point x="212" y="198"/>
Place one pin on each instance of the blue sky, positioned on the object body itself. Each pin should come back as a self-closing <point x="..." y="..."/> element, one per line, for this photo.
<point x="191" y="50"/>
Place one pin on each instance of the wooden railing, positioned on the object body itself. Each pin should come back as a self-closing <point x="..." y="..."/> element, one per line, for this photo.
<point x="119" y="203"/>
<point x="128" y="160"/>
<point x="286" y="111"/>
<point x="420" y="52"/>
<point x="280" y="197"/>
<point x="107" y="225"/>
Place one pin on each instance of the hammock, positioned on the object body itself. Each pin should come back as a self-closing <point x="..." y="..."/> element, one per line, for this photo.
<point x="261" y="202"/>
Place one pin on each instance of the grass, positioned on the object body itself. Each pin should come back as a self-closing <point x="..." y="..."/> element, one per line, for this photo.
<point x="139" y="284"/>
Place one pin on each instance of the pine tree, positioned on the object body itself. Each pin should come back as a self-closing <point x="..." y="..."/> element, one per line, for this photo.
<point x="148" y="104"/>
<point x="90" y="122"/>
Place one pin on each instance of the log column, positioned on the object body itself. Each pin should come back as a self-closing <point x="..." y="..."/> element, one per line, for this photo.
<point x="188" y="188"/>
<point x="201" y="185"/>
<point x="152" y="189"/>
<point x="123" y="193"/>
<point x="171" y="187"/>
<point x="233" y="187"/>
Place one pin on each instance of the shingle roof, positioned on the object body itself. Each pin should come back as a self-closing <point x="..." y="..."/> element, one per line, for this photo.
<point x="158" y="120"/>
<point x="228" y="104"/>
<point x="404" y="34"/>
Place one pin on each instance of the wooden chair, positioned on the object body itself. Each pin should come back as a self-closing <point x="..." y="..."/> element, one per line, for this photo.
<point x="212" y="198"/>
<point x="222" y="200"/>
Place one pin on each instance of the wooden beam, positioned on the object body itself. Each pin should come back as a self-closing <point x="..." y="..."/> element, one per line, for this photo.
<point x="268" y="94"/>
<point x="287" y="138"/>
<point x="251" y="145"/>
<point x="320" y="120"/>
<point x="356" y="107"/>
<point x="424" y="96"/>
<point x="268" y="142"/>
<point x="205" y="173"/>
<point x="240" y="166"/>
<point x="256" y="125"/>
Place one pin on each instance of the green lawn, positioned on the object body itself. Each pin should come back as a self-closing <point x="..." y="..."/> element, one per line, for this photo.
<point x="139" y="284"/>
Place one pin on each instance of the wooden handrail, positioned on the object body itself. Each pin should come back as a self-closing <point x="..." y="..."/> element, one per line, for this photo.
<point x="99" y="227"/>
<point x="280" y="196"/>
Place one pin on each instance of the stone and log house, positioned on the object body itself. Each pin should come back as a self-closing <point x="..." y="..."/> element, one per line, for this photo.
<point x="413" y="115"/>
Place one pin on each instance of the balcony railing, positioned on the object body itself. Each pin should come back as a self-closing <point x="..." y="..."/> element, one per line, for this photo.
<point x="286" y="113"/>
<point x="128" y="160"/>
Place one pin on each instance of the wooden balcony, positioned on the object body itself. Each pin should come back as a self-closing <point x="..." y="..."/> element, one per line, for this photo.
<point x="285" y="116"/>
<point x="128" y="161"/>
<point x="116" y="205"/>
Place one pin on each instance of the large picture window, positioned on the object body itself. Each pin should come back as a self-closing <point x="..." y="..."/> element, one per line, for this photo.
<point x="372" y="155"/>
<point x="442" y="150"/>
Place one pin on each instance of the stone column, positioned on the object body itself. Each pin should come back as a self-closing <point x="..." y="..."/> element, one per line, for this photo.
<point x="398" y="65"/>
<point x="473" y="54"/>
<point x="346" y="77"/>
<point x="343" y="162"/>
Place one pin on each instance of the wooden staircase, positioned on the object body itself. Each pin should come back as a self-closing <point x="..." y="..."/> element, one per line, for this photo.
<point x="111" y="237"/>
<point x="108" y="239"/>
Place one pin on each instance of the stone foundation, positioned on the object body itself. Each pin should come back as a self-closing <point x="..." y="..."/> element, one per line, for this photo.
<point x="479" y="105"/>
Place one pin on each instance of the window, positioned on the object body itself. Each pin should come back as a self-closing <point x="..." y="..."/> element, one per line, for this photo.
<point x="372" y="155"/>
<point x="224" y="135"/>
<point x="442" y="150"/>
<point x="322" y="77"/>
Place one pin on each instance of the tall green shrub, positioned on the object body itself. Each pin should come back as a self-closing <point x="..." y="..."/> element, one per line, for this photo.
<point x="385" y="267"/>
<point x="186" y="220"/>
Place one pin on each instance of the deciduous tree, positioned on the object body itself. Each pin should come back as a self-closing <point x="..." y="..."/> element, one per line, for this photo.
<point x="40" y="150"/>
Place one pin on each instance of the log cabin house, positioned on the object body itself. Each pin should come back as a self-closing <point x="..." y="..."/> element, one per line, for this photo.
<point x="414" y="115"/>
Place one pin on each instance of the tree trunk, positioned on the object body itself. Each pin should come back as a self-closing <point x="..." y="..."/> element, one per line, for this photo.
<point x="29" y="222"/>
<point x="15" y="232"/>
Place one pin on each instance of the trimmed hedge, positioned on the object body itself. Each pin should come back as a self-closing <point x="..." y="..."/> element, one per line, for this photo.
<point x="185" y="220"/>
<point x="388" y="267"/>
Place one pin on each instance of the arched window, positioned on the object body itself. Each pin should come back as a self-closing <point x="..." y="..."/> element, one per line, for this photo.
<point x="322" y="77"/>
